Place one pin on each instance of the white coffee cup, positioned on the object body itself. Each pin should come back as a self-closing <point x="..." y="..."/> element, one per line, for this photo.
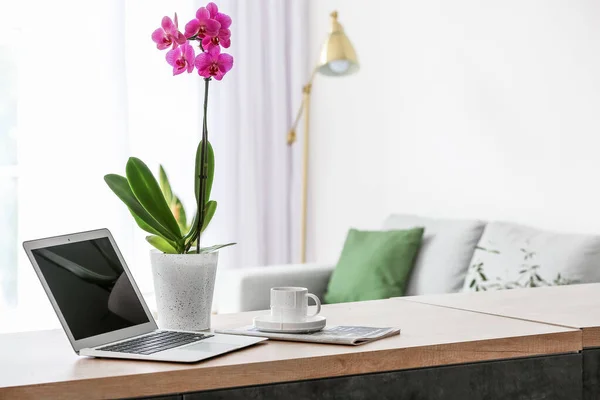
<point x="290" y="304"/>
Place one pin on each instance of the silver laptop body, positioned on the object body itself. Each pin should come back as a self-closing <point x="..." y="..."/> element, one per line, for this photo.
<point x="100" y="307"/>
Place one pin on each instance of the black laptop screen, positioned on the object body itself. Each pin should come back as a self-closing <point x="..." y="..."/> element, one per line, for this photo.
<point x="93" y="292"/>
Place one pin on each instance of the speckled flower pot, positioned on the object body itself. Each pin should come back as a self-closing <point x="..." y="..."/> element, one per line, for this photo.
<point x="184" y="286"/>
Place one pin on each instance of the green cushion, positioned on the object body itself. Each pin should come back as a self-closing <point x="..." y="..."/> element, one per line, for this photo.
<point x="374" y="265"/>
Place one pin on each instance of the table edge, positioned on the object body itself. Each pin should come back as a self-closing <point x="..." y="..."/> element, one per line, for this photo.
<point x="269" y="372"/>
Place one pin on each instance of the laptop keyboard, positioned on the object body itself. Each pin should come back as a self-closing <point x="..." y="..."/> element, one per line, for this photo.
<point x="155" y="342"/>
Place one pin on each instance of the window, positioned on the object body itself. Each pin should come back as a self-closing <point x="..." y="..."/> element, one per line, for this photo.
<point x="71" y="111"/>
<point x="8" y="168"/>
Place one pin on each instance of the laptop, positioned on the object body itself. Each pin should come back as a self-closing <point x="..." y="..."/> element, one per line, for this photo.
<point x="101" y="309"/>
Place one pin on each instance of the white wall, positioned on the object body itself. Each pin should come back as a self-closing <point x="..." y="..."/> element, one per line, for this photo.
<point x="464" y="108"/>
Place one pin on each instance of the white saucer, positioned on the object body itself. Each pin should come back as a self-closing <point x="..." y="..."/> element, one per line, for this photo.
<point x="266" y="323"/>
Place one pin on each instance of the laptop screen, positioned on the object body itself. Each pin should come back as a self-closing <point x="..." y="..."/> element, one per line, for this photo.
<point x="90" y="287"/>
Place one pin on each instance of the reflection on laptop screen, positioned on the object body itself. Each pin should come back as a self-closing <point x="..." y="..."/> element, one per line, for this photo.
<point x="93" y="292"/>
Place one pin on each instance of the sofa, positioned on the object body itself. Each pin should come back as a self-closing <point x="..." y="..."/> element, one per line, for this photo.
<point x="455" y="255"/>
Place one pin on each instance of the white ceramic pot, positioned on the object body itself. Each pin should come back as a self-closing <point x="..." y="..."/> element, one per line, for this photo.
<point x="184" y="286"/>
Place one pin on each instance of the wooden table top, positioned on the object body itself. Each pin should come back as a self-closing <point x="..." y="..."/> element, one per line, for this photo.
<point x="575" y="306"/>
<point x="42" y="364"/>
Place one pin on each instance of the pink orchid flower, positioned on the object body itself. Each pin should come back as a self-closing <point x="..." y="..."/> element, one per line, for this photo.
<point x="213" y="64"/>
<point x="168" y="34"/>
<point x="202" y="26"/>
<point x="181" y="59"/>
<point x="223" y="37"/>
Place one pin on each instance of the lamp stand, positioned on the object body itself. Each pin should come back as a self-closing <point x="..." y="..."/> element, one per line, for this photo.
<point x="338" y="58"/>
<point x="303" y="219"/>
<point x="304" y="110"/>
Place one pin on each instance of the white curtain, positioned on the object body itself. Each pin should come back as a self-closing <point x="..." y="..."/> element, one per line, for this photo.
<point x="93" y="90"/>
<point x="251" y="111"/>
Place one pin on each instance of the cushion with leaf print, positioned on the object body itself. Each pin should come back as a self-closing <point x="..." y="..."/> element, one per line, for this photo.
<point x="514" y="256"/>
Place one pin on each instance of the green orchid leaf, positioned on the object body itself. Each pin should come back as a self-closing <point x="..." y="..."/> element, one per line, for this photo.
<point x="148" y="192"/>
<point x="179" y="214"/>
<point x="210" y="249"/>
<point x="120" y="186"/>
<point x="173" y="201"/>
<point x="143" y="225"/>
<point x="209" y="213"/>
<point x="193" y="229"/>
<point x="210" y="172"/>
<point x="161" y="244"/>
<point x="165" y="186"/>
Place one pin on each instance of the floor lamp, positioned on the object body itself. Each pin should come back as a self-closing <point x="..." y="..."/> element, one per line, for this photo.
<point x="337" y="58"/>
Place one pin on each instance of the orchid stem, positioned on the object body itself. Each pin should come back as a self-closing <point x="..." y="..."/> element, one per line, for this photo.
<point x="203" y="167"/>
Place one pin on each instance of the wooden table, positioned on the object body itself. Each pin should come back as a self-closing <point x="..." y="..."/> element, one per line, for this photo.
<point x="575" y="306"/>
<point x="539" y="360"/>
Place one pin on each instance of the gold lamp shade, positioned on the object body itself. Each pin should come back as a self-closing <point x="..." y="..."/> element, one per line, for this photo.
<point x="337" y="54"/>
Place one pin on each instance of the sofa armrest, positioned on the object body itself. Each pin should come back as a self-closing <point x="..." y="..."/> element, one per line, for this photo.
<point x="248" y="289"/>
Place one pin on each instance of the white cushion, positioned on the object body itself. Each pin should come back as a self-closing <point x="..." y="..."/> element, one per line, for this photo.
<point x="510" y="256"/>
<point x="446" y="250"/>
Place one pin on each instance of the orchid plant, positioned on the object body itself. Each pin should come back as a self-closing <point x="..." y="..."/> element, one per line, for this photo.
<point x="151" y="202"/>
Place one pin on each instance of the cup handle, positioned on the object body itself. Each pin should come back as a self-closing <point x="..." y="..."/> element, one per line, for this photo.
<point x="317" y="302"/>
